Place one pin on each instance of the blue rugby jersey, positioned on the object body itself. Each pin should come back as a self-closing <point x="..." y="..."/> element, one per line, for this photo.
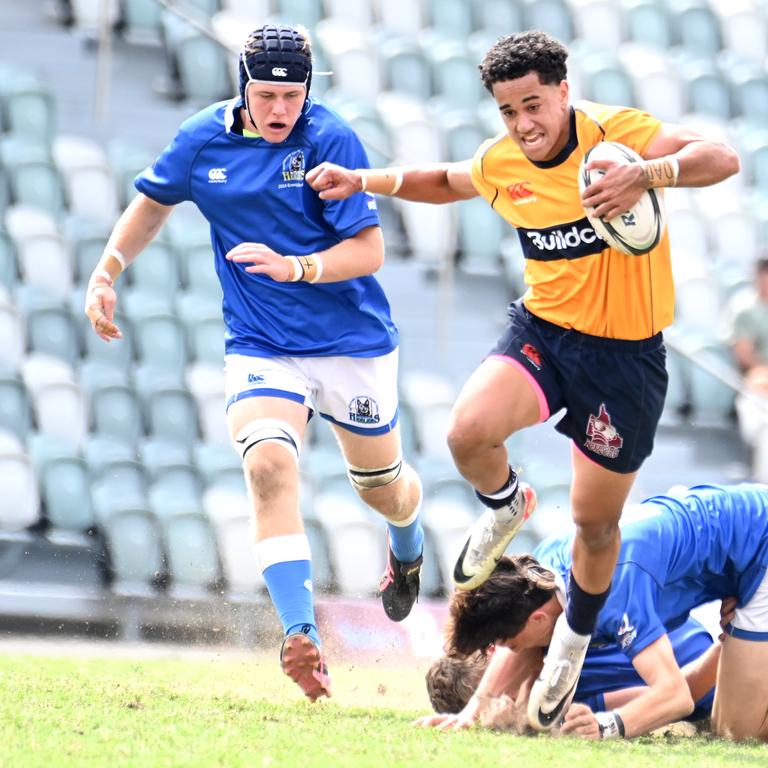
<point x="677" y="553"/>
<point x="607" y="668"/>
<point x="252" y="191"/>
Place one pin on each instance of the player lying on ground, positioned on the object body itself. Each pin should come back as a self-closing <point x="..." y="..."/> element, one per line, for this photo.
<point x="308" y="327"/>
<point x="608" y="680"/>
<point x="588" y="308"/>
<point x="677" y="552"/>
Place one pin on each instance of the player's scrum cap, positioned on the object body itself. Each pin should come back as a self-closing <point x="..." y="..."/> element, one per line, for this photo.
<point x="275" y="54"/>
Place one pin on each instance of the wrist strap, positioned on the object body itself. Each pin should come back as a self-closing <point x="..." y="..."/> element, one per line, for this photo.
<point x="662" y="172"/>
<point x="380" y="178"/>
<point x="307" y="268"/>
<point x="118" y="255"/>
<point x="611" y="725"/>
<point x="101" y="273"/>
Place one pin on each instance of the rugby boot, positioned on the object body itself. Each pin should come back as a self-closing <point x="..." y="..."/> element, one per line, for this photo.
<point x="303" y="662"/>
<point x="488" y="539"/>
<point x="399" y="586"/>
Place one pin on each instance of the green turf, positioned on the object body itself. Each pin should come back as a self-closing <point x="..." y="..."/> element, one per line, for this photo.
<point x="60" y="712"/>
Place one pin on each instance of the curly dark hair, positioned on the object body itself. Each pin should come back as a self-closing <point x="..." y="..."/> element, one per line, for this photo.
<point x="452" y="680"/>
<point x="499" y="607"/>
<point x="516" y="55"/>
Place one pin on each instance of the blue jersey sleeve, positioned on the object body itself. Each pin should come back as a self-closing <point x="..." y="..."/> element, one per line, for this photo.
<point x="348" y="217"/>
<point x="630" y="617"/>
<point x="167" y="180"/>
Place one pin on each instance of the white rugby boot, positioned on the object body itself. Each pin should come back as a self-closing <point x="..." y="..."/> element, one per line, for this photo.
<point x="553" y="691"/>
<point x="488" y="539"/>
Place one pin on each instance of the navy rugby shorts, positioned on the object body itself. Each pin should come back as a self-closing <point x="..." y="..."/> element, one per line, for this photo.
<point x="612" y="390"/>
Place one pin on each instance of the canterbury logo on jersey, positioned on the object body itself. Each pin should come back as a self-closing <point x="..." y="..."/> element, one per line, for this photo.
<point x="520" y="191"/>
<point x="217" y="176"/>
<point x="564" y="241"/>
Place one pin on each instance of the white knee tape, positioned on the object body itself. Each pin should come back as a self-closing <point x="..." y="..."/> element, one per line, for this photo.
<point x="268" y="431"/>
<point x="362" y="478"/>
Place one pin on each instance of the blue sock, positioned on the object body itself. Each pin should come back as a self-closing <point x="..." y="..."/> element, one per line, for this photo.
<point x="290" y="587"/>
<point x="407" y="541"/>
<point x="583" y="607"/>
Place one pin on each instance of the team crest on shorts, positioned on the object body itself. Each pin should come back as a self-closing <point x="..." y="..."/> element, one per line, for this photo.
<point x="602" y="437"/>
<point x="364" y="410"/>
<point x="532" y="355"/>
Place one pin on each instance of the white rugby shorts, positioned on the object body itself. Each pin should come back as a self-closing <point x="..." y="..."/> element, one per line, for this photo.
<point x="750" y="621"/>
<point x="357" y="393"/>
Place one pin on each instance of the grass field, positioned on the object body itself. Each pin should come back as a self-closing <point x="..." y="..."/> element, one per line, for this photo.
<point x="223" y="710"/>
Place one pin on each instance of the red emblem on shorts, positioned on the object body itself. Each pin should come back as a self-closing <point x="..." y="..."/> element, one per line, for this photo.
<point x="532" y="354"/>
<point x="602" y="437"/>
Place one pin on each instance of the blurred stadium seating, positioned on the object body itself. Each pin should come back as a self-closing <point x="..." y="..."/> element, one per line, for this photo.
<point x="125" y="444"/>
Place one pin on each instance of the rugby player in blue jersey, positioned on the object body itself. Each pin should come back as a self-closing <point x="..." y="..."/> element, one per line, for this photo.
<point x="308" y="328"/>
<point x="678" y="552"/>
<point x="608" y="680"/>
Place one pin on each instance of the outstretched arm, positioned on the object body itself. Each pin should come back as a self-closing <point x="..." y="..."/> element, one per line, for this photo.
<point x="429" y="183"/>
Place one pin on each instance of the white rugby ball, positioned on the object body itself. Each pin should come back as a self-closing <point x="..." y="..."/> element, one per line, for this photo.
<point x="640" y="229"/>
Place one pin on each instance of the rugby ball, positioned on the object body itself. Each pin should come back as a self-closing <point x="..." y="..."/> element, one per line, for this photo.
<point x="640" y="229"/>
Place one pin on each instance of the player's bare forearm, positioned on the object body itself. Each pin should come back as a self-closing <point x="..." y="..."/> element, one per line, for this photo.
<point x="134" y="230"/>
<point x="362" y="254"/>
<point x="429" y="183"/>
<point x="701" y="161"/>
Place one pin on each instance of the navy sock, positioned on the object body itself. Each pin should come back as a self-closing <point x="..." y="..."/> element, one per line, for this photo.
<point x="503" y="496"/>
<point x="583" y="607"/>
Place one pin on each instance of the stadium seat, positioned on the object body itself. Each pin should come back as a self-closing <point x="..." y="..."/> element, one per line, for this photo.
<point x="199" y="273"/>
<point x="405" y="68"/>
<point x="101" y="450"/>
<point x="114" y="355"/>
<point x="203" y="68"/>
<point x="19" y="501"/>
<point x="66" y="494"/>
<point x="213" y="458"/>
<point x="192" y="554"/>
<point x="649" y="23"/>
<point x="230" y="516"/>
<point x="708" y="91"/>
<point x="35" y="182"/>
<point x="140" y="21"/>
<point x="401" y="16"/>
<point x="452" y="18"/>
<point x="463" y="134"/>
<point x="357" y="543"/>
<point x="498" y="16"/>
<point x="736" y="238"/>
<point x="8" y="266"/>
<point x="743" y="26"/>
<point x="51" y="330"/>
<point x="750" y="93"/>
<point x="698" y="299"/>
<point x="118" y="485"/>
<point x="156" y="269"/>
<point x="171" y="414"/>
<point x="351" y="56"/>
<point x="206" y="340"/>
<point x="27" y="105"/>
<point x="136" y="559"/>
<point x="657" y="86"/>
<point x="60" y="410"/>
<point x="160" y="342"/>
<point x="175" y="490"/>
<point x="12" y="341"/>
<point x="605" y="79"/>
<point x="550" y="16"/>
<point x="598" y="22"/>
<point x="157" y="453"/>
<point x="454" y="74"/>
<point x="45" y="262"/>
<point x="698" y="27"/>
<point x="116" y="413"/>
<point x="307" y="12"/>
<point x="481" y="231"/>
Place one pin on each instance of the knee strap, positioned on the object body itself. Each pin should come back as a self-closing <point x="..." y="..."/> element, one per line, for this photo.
<point x="268" y="431"/>
<point x="374" y="478"/>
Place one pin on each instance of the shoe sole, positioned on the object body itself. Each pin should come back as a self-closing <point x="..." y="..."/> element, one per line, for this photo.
<point x="461" y="580"/>
<point x="302" y="661"/>
<point x="545" y="721"/>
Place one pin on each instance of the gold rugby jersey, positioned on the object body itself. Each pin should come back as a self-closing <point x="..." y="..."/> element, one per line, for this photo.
<point x="574" y="278"/>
